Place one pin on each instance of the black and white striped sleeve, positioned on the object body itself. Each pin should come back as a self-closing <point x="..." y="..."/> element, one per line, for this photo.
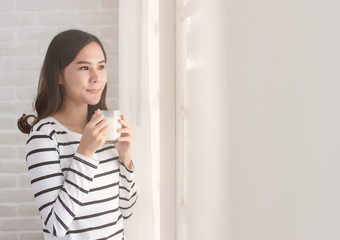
<point x="58" y="197"/>
<point x="127" y="191"/>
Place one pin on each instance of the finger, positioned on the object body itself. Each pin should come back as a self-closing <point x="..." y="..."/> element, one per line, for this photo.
<point x="96" y="113"/>
<point x="125" y="131"/>
<point x="104" y="131"/>
<point x="100" y="125"/>
<point x="124" y="123"/>
<point x="96" y="118"/>
<point x="125" y="139"/>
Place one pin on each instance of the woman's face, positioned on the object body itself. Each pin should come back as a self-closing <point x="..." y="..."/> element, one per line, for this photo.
<point x="85" y="77"/>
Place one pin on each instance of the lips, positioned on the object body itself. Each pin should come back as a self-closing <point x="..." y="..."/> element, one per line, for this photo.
<point x="94" y="91"/>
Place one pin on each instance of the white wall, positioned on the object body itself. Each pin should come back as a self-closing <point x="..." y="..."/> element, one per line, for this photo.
<point x="147" y="93"/>
<point x="283" y="119"/>
<point x="26" y="28"/>
<point x="201" y="113"/>
<point x="134" y="101"/>
<point x="167" y="93"/>
<point x="265" y="154"/>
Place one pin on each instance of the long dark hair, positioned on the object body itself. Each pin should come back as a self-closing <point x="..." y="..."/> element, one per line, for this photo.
<point x="62" y="50"/>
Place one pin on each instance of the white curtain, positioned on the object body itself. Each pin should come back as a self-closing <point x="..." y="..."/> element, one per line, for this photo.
<point x="138" y="99"/>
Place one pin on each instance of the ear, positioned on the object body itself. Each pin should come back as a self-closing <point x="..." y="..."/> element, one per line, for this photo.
<point x="61" y="79"/>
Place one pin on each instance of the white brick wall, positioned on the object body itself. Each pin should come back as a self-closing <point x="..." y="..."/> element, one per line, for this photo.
<point x="26" y="28"/>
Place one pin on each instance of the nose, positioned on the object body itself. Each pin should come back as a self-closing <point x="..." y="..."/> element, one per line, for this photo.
<point x="94" y="75"/>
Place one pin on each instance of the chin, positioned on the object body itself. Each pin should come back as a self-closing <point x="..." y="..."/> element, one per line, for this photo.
<point x="93" y="101"/>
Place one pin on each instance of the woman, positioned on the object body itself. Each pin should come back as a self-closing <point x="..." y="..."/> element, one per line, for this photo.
<point x="83" y="187"/>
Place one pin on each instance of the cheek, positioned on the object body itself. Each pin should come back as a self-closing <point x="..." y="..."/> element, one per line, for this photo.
<point x="104" y="77"/>
<point x="74" y="81"/>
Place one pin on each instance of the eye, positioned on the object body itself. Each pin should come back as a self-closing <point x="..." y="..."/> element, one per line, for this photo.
<point x="100" y="67"/>
<point x="84" y="68"/>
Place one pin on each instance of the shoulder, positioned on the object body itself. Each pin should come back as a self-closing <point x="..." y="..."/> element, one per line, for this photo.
<point x="42" y="136"/>
<point x="44" y="126"/>
<point x="50" y="129"/>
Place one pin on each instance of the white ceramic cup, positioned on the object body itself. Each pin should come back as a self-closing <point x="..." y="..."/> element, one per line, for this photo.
<point x="112" y="117"/>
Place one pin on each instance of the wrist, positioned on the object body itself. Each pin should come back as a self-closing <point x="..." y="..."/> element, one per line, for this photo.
<point x="85" y="152"/>
<point x="126" y="160"/>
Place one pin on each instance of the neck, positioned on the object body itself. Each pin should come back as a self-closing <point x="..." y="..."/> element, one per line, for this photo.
<point x="73" y="117"/>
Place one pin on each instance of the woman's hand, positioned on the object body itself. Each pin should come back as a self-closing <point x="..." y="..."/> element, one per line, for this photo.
<point x="124" y="145"/>
<point x="94" y="135"/>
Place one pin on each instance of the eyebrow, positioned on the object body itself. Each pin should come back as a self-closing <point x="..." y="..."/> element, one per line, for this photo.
<point x="86" y="62"/>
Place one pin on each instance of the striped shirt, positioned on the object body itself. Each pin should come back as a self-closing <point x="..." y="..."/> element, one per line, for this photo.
<point x="78" y="197"/>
